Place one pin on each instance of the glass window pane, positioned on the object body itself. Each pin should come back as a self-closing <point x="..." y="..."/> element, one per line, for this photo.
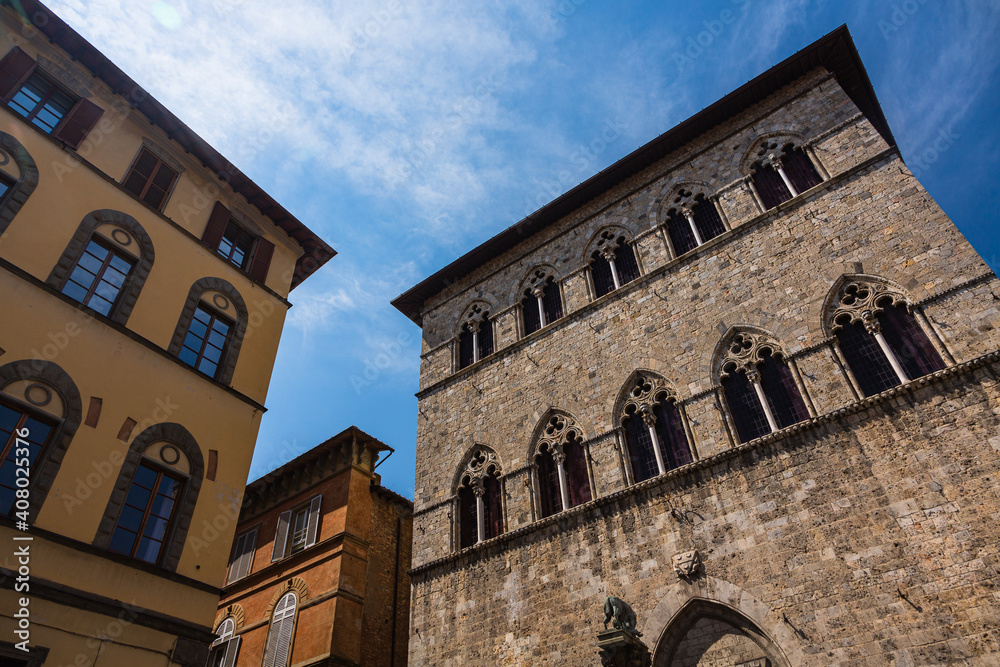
<point x="148" y="550"/>
<point x="207" y="367"/>
<point x="168" y="487"/>
<point x="188" y="356"/>
<point x="156" y="528"/>
<point x="130" y="518"/>
<point x="145" y="476"/>
<point x="162" y="506"/>
<point x="137" y="497"/>
<point x="122" y="541"/>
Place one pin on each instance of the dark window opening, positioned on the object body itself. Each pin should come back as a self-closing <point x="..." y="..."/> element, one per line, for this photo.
<point x="770" y="186"/>
<point x="493" y="513"/>
<point x="466" y="349"/>
<point x="529" y="310"/>
<point x="468" y="518"/>
<point x="551" y="305"/>
<point x="707" y="219"/>
<point x="799" y="169"/>
<point x="782" y="394"/>
<point x="600" y="269"/>
<point x="670" y="431"/>
<point x="548" y="484"/>
<point x="628" y="268"/>
<point x="577" y="478"/>
<point x="640" y="448"/>
<point x="870" y="366"/>
<point x="913" y="349"/>
<point x="150" y="179"/>
<point x="747" y="412"/>
<point x="681" y="236"/>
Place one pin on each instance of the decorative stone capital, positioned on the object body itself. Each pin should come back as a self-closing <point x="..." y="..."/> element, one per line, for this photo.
<point x="687" y="564"/>
<point x="647" y="414"/>
<point x="753" y="375"/>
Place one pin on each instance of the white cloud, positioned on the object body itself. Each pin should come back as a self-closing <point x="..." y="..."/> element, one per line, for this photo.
<point x="387" y="93"/>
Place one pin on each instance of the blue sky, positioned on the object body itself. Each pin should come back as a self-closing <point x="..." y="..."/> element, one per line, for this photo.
<point x="406" y="133"/>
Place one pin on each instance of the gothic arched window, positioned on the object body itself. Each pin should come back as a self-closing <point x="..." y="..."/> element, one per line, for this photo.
<point x="279" y="636"/>
<point x="653" y="428"/>
<point x="782" y="172"/>
<point x="561" y="474"/>
<point x="480" y="507"/>
<point x="759" y="387"/>
<point x="692" y="220"/>
<point x="612" y="263"/>
<point x="881" y="340"/>
<point x="475" y="340"/>
<point x="541" y="304"/>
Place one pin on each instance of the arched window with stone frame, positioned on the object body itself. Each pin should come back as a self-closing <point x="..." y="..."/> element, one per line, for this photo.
<point x="612" y="262"/>
<point x="560" y="473"/>
<point x="879" y="335"/>
<point x="653" y="426"/>
<point x="692" y="218"/>
<point x="781" y="170"/>
<point x="226" y="646"/>
<point x="541" y="302"/>
<point x="475" y="335"/>
<point x="105" y="264"/>
<point x="210" y="330"/>
<point x="40" y="411"/>
<point x="761" y="387"/>
<point x="18" y="178"/>
<point x="479" y="498"/>
<point x="150" y="509"/>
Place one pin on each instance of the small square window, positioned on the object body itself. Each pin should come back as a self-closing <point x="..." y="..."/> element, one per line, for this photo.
<point x="236" y="245"/>
<point x="150" y="179"/>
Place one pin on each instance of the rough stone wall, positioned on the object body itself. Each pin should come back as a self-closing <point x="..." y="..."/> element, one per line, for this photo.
<point x="389" y="552"/>
<point x="873" y="533"/>
<point x="781" y="519"/>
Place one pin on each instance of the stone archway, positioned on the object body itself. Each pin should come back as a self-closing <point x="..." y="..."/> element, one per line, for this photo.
<point x="709" y="634"/>
<point x="705" y="620"/>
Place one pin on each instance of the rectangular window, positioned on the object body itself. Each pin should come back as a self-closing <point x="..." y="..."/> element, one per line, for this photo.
<point x="242" y="560"/>
<point x="41" y="102"/>
<point x="145" y="517"/>
<point x="244" y="249"/>
<point x="297" y="529"/>
<point x="11" y="420"/>
<point x="236" y="245"/>
<point x="150" y="179"/>
<point x="205" y="341"/>
<point x="300" y="526"/>
<point x="98" y="277"/>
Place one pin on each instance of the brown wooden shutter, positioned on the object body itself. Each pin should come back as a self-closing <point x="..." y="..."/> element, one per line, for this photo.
<point x="281" y="536"/>
<point x="312" y="528"/>
<point x="15" y="67"/>
<point x="261" y="260"/>
<point x="78" y="123"/>
<point x="217" y="222"/>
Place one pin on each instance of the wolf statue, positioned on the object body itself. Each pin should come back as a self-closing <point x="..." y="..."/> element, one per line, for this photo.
<point x="620" y="615"/>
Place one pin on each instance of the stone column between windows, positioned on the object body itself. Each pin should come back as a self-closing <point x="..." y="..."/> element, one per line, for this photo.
<point x="479" y="490"/>
<point x="649" y="419"/>
<point x="560" y="457"/>
<point x="539" y="293"/>
<point x="609" y="255"/>
<point x="875" y="329"/>
<point x="754" y="376"/>
<point x="475" y="341"/>
<point x="784" y="177"/>
<point x="694" y="228"/>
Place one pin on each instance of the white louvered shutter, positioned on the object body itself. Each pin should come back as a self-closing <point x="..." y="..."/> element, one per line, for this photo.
<point x="232" y="648"/>
<point x="279" y="640"/>
<point x="281" y="536"/>
<point x="313" y="532"/>
<point x="242" y="556"/>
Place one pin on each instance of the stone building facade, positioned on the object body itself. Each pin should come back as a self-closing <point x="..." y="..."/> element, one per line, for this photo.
<point x="776" y="437"/>
<point x="318" y="570"/>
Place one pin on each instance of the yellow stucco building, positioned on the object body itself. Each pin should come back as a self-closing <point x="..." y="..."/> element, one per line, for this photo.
<point x="144" y="284"/>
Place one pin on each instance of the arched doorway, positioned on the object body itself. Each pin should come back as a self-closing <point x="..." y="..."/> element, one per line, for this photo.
<point x="709" y="634"/>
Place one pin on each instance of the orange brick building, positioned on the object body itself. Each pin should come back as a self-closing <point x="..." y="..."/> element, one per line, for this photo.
<point x="318" y="573"/>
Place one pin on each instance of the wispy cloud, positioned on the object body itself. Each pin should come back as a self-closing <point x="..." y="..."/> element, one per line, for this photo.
<point x="385" y="93"/>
